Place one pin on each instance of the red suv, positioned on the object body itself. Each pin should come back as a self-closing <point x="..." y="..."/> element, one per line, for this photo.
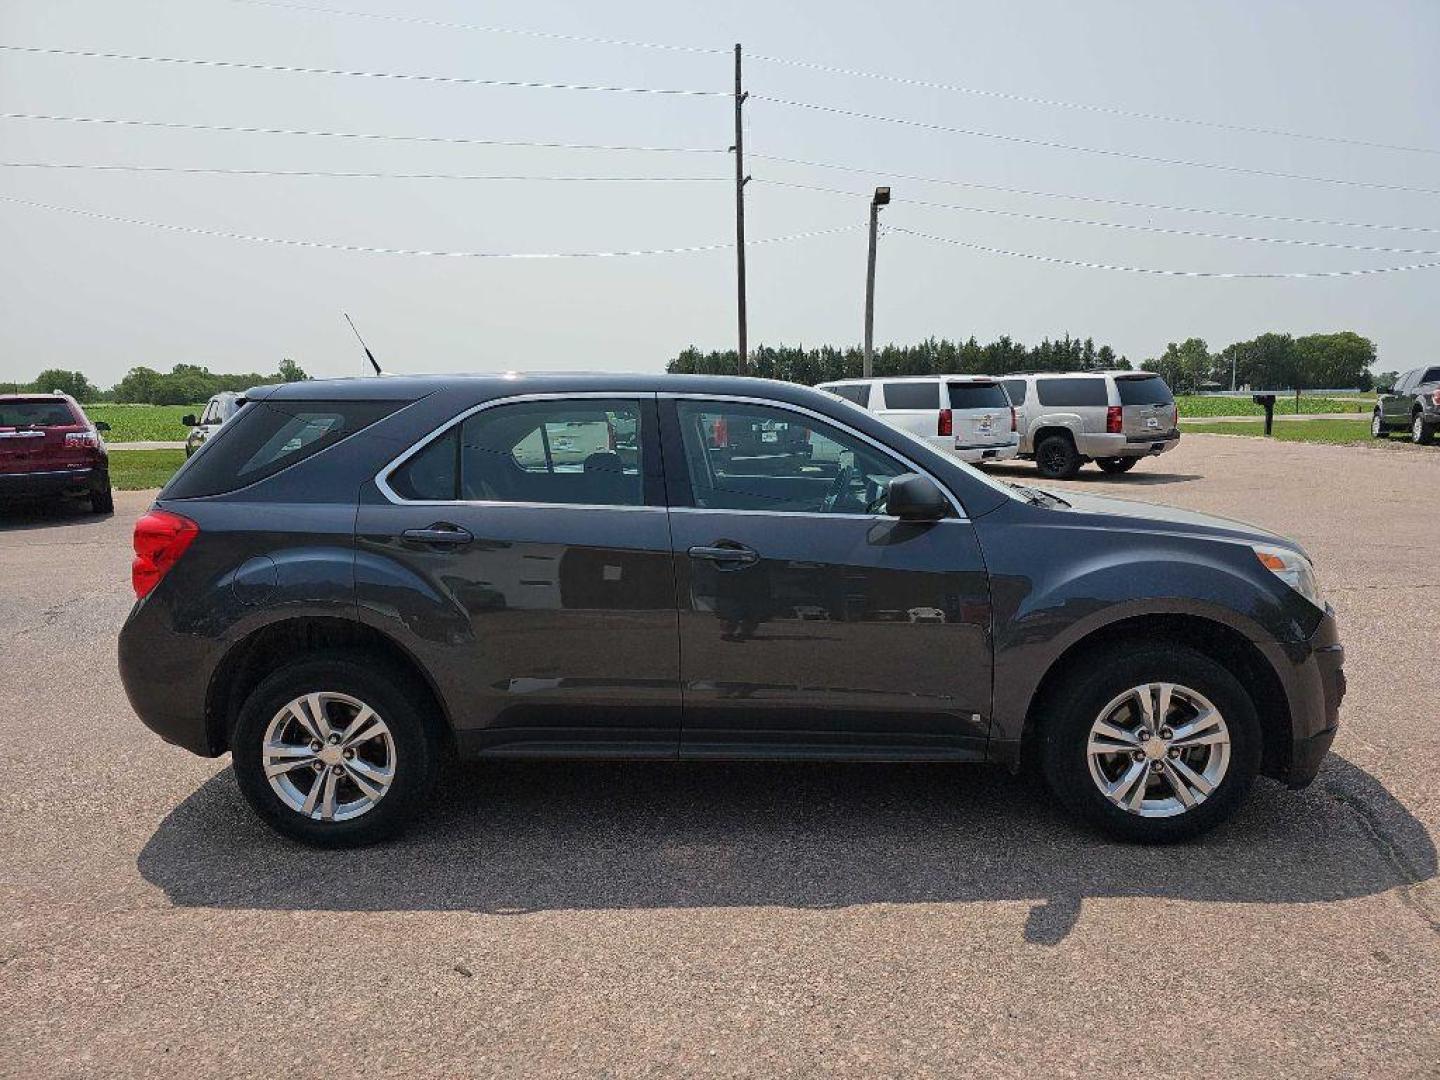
<point x="49" y="447"/>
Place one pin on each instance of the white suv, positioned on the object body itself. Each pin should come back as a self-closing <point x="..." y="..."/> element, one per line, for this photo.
<point x="1113" y="418"/>
<point x="969" y="416"/>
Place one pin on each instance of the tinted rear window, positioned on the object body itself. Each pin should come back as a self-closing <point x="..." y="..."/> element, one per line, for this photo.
<point x="978" y="396"/>
<point x="265" y="437"/>
<point x="860" y="395"/>
<point x="912" y="395"/>
<point x="1431" y="375"/>
<point x="36" y="414"/>
<point x="1144" y="392"/>
<point x="1074" y="392"/>
<point x="1016" y="389"/>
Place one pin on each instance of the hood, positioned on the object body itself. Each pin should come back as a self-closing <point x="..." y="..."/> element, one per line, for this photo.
<point x="1144" y="515"/>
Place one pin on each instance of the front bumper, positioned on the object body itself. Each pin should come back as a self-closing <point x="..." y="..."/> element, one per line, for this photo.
<point x="1318" y="690"/>
<point x="51" y="482"/>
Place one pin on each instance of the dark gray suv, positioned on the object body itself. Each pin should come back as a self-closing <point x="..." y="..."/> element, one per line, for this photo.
<point x="353" y="578"/>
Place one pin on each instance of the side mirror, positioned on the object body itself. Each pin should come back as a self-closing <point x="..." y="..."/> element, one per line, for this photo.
<point x="189" y="420"/>
<point x="912" y="497"/>
<point x="101" y="425"/>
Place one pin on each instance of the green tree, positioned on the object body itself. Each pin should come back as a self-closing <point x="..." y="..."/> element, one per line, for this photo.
<point x="1185" y="366"/>
<point x="1334" y="361"/>
<point x="290" y="371"/>
<point x="73" y="383"/>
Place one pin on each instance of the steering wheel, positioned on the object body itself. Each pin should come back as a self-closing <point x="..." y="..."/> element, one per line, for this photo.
<point x="840" y="486"/>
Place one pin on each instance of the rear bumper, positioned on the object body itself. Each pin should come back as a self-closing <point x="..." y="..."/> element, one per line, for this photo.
<point x="1104" y="446"/>
<point x="53" y="482"/>
<point x="973" y="452"/>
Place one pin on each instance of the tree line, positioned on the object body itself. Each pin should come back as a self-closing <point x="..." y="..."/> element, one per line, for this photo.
<point x="1272" y="362"/>
<point x="184" y="384"/>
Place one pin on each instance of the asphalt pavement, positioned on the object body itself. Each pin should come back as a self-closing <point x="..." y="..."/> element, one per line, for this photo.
<point x="719" y="920"/>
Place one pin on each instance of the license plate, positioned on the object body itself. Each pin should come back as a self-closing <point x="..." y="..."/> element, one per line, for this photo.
<point x="769" y="436"/>
<point x="1152" y="422"/>
<point x="986" y="425"/>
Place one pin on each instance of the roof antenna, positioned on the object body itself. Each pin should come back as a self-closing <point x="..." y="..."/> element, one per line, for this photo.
<point x="369" y="355"/>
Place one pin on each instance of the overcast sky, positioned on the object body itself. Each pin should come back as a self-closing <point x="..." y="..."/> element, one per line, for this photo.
<point x="104" y="296"/>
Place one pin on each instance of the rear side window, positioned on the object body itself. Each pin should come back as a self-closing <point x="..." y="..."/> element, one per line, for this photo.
<point x="1073" y="392"/>
<point x="45" y="413"/>
<point x="912" y="395"/>
<point x="1016" y="389"/>
<point x="1431" y="375"/>
<point x="1144" y="391"/>
<point x="859" y="394"/>
<point x="978" y="396"/>
<point x="265" y="437"/>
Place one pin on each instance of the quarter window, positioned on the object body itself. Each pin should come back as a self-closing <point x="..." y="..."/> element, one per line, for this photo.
<point x="859" y="393"/>
<point x="1072" y="392"/>
<point x="912" y="395"/>
<point x="1016" y="389"/>
<point x="753" y="457"/>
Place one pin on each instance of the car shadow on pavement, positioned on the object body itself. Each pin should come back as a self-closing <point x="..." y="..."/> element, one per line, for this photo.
<point x="516" y="837"/>
<point x="19" y="515"/>
<point x="1136" y="477"/>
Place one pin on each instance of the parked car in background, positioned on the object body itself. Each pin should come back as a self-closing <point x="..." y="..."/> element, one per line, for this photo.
<point x="217" y="410"/>
<point x="969" y="416"/>
<point x="759" y="438"/>
<point x="1411" y="405"/>
<point x="50" y="449"/>
<point x="1113" y="418"/>
<point x="359" y="575"/>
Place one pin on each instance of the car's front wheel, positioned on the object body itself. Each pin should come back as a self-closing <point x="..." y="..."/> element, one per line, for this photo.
<point x="1159" y="745"/>
<point x="1116" y="464"/>
<point x="331" y="751"/>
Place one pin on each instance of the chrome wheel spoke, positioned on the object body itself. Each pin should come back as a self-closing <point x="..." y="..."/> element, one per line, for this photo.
<point x="357" y="777"/>
<point x="1177" y="784"/>
<point x="313" y="796"/>
<point x="1126" y="787"/>
<point x="327" y="797"/>
<point x="1106" y="738"/>
<point x="1191" y="777"/>
<point x="280" y="758"/>
<point x="365" y="726"/>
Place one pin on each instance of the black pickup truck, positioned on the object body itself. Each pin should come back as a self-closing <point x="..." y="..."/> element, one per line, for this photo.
<point x="1412" y="404"/>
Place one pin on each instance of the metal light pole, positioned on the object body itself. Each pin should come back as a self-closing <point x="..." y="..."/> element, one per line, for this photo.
<point x="740" y="180"/>
<point x="879" y="199"/>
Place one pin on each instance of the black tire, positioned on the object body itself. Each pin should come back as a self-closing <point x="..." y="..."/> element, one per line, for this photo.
<point x="1421" y="433"/>
<point x="1057" y="458"/>
<point x="103" y="501"/>
<point x="1076" y="704"/>
<point x="391" y="694"/>
<point x="1116" y="464"/>
<point x="1377" y="426"/>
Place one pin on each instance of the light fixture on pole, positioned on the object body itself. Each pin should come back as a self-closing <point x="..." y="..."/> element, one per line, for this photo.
<point x="879" y="199"/>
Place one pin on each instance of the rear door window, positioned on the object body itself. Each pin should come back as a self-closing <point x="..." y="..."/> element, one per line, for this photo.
<point x="978" y="396"/>
<point x="1152" y="391"/>
<point x="912" y="395"/>
<point x="266" y="437"/>
<point x="1075" y="393"/>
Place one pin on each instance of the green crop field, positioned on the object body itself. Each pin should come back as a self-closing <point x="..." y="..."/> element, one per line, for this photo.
<point x="136" y="470"/>
<point x="1336" y="432"/>
<point x="143" y="423"/>
<point x="1199" y="405"/>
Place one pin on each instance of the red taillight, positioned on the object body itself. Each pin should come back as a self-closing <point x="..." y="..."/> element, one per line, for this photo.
<point x="1435" y="397"/>
<point x="1114" y="420"/>
<point x="722" y="432"/>
<point x="89" y="439"/>
<point x="947" y="424"/>
<point x="160" y="539"/>
<point x="1014" y="420"/>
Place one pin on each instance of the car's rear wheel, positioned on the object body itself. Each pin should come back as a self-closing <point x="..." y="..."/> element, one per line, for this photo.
<point x="1377" y="426"/>
<point x="1057" y="458"/>
<point x="103" y="500"/>
<point x="331" y="751"/>
<point x="1421" y="433"/>
<point x="1116" y="464"/>
<point x="1157" y="746"/>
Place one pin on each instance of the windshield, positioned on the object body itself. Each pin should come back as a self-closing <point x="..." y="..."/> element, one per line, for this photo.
<point x="1151" y="391"/>
<point x="978" y="396"/>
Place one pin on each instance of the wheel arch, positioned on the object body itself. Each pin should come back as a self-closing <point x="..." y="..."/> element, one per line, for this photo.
<point x="269" y="647"/>
<point x="1222" y="643"/>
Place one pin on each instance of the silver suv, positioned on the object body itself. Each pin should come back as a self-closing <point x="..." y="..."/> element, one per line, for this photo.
<point x="1113" y="418"/>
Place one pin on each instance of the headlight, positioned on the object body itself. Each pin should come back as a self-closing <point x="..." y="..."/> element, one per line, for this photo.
<point x="1294" y="569"/>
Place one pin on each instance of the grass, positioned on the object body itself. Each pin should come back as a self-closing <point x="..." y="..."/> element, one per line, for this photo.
<point x="136" y="470"/>
<point x="1200" y="405"/>
<point x="143" y="423"/>
<point x="1334" y="432"/>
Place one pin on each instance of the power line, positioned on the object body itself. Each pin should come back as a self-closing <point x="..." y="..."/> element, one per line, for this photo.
<point x="1083" y="265"/>
<point x="441" y="24"/>
<point x="356" y="175"/>
<point x="900" y="80"/>
<point x="1075" y="148"/>
<point x="1123" y="226"/>
<point x="1128" y="203"/>
<point x="459" y="140"/>
<point x="365" y="249"/>
<point x="291" y="69"/>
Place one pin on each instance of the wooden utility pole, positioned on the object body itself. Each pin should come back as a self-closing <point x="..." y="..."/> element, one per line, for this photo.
<point x="880" y="198"/>
<point x="740" y="181"/>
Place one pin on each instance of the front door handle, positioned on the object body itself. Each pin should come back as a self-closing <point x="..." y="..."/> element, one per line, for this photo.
<point x="726" y="556"/>
<point x="442" y="532"/>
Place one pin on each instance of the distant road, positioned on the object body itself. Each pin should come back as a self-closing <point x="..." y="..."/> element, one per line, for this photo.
<point x="1226" y="419"/>
<point x="145" y="445"/>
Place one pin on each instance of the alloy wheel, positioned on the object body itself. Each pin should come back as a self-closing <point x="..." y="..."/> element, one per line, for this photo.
<point x="1158" y="750"/>
<point x="328" y="756"/>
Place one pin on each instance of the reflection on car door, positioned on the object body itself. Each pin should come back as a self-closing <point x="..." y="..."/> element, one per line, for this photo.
<point x="553" y="572"/>
<point x="809" y="619"/>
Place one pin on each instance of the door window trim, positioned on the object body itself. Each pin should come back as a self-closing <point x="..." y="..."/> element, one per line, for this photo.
<point x="785" y="406"/>
<point x="382" y="477"/>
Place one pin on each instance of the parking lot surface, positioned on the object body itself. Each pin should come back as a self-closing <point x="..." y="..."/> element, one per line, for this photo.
<point x="581" y="919"/>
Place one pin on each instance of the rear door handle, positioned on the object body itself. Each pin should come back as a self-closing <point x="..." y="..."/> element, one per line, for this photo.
<point x="442" y="532"/>
<point x="726" y="556"/>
